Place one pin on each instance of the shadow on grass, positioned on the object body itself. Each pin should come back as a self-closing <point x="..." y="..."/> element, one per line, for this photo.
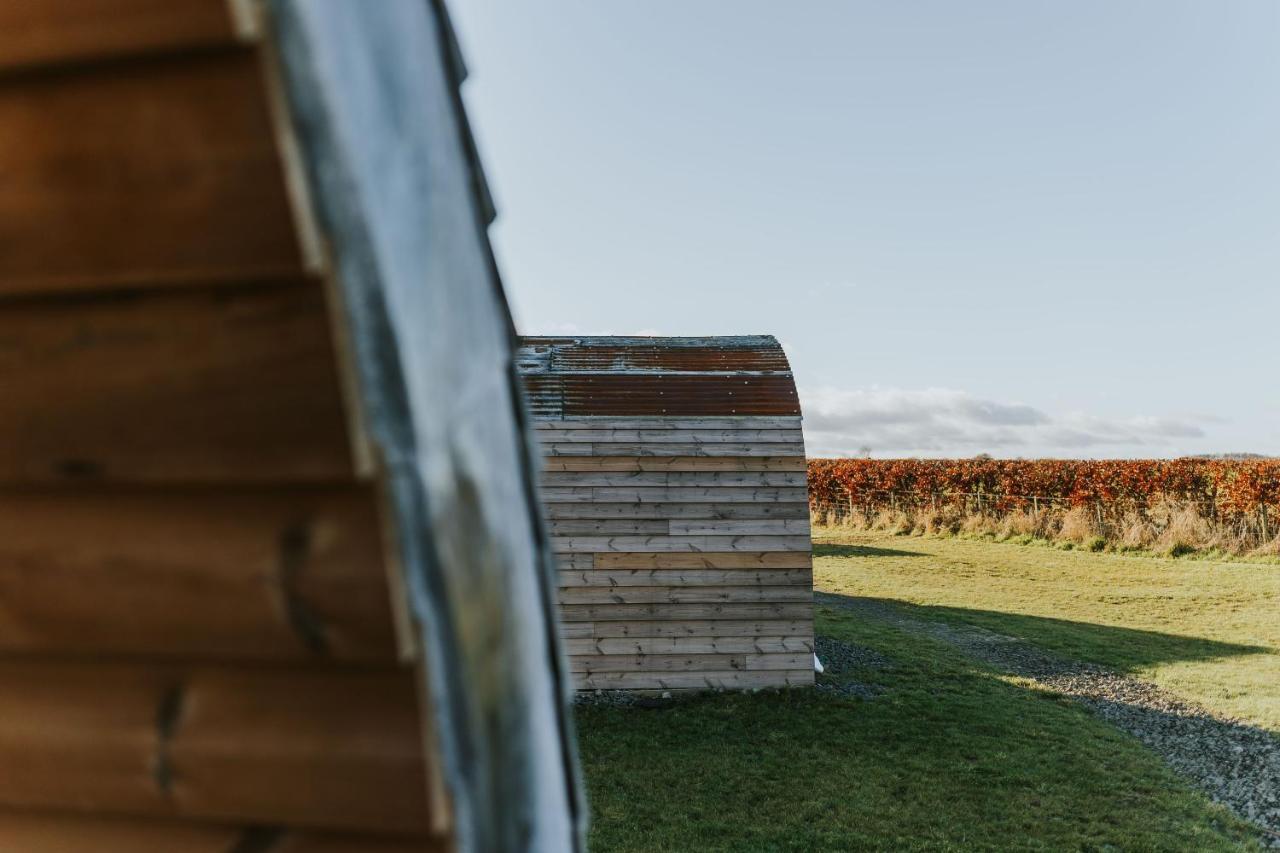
<point x="1122" y="649"/>
<point x="947" y="756"/>
<point x="832" y="550"/>
<point x="1233" y="762"/>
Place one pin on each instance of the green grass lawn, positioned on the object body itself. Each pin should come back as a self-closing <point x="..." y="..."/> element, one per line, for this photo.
<point x="950" y="756"/>
<point x="1209" y="631"/>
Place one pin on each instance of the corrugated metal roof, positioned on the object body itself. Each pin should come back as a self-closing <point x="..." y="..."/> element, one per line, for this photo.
<point x="676" y="377"/>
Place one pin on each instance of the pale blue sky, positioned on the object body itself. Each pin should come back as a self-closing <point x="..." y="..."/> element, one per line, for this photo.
<point x="1019" y="227"/>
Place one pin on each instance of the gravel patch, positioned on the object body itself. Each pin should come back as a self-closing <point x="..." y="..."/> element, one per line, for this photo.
<point x="839" y="657"/>
<point x="1235" y="763"/>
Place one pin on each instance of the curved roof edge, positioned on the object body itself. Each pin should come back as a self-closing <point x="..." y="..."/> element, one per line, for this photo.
<point x="584" y="376"/>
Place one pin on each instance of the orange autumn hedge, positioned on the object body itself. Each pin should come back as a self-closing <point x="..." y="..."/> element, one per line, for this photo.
<point x="1222" y="488"/>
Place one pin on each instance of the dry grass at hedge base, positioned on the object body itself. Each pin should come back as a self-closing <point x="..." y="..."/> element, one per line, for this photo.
<point x="1169" y="528"/>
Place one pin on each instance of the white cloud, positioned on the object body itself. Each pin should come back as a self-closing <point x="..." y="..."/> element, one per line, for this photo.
<point x="945" y="422"/>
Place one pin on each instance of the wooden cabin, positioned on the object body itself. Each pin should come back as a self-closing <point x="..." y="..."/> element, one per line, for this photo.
<point x="272" y="570"/>
<point x="673" y="480"/>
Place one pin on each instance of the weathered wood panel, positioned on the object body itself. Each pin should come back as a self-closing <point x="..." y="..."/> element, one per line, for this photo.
<point x="612" y="526"/>
<point x="683" y="594"/>
<point x="692" y="629"/>
<point x="684" y="612"/>
<point x="693" y="645"/>
<point x="681" y="478"/>
<point x="715" y="544"/>
<point x="650" y="423"/>
<point x="681" y="449"/>
<point x="669" y="436"/>
<point x="720" y="527"/>
<point x="267" y="574"/>
<point x="703" y="680"/>
<point x="158" y="174"/>
<point x="579" y="510"/>
<point x="747" y="662"/>
<point x="685" y="577"/>
<point x="33" y="34"/>
<point x="742" y="560"/>
<point x="659" y="494"/>
<point x="672" y="463"/>
<point x="335" y="749"/>
<point x="223" y="385"/>
<point x="731" y="493"/>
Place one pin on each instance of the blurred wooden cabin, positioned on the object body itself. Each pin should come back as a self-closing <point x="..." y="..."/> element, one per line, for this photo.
<point x="674" y="483"/>
<point x="271" y="566"/>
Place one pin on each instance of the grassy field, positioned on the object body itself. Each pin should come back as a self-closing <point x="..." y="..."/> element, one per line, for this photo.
<point x="1208" y="631"/>
<point x="950" y="755"/>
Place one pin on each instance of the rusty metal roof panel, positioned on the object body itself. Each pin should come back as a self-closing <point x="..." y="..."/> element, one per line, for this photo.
<point x="674" y="377"/>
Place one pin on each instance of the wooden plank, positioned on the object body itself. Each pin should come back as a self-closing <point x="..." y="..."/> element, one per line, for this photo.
<point x="705" y="560"/>
<point x="684" y="595"/>
<point x="687" y="645"/>
<point x="62" y="31"/>
<point x="63" y="832"/>
<point x="674" y="479"/>
<point x="715" y="544"/>
<point x="271" y="574"/>
<point x="658" y="422"/>
<point x="792" y="510"/>
<point x="155" y="175"/>
<point x="690" y="662"/>
<point x="675" y="494"/>
<point x="578" y="527"/>
<point x="685" y="577"/>
<point x="669" y="436"/>
<point x="579" y="562"/>
<point x="684" y="612"/>
<point x="336" y="749"/>
<point x="673" y="463"/>
<point x="233" y="385"/>
<point x="694" y="680"/>
<point x="685" y="449"/>
<point x="693" y="629"/>
<point x="721" y="527"/>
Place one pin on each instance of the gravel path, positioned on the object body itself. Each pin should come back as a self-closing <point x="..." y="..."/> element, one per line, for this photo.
<point x="1237" y="764"/>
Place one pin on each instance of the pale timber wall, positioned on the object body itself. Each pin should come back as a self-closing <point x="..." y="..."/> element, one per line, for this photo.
<point x="682" y="543"/>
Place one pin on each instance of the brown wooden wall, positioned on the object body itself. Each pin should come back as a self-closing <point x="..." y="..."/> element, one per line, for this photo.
<point x="683" y="548"/>
<point x="198" y="650"/>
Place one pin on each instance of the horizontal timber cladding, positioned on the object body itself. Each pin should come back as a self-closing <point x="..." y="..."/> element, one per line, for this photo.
<point x="676" y="478"/>
<point x="569" y="448"/>
<point x="200" y="385"/>
<point x="672" y="463"/>
<point x="794" y="592"/>
<point x="676" y="494"/>
<point x="157" y="173"/>
<point x="697" y="680"/>
<point x="683" y="578"/>
<point x="630" y="544"/>
<point x="681" y="527"/>
<point x="690" y="629"/>
<point x="63" y="832"/>
<point x="280" y="573"/>
<point x="270" y="745"/>
<point x="746" y="662"/>
<point x="686" y="645"/>
<point x="669" y="436"/>
<point x="53" y="31"/>
<point x="675" y="491"/>
<point x="700" y="511"/>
